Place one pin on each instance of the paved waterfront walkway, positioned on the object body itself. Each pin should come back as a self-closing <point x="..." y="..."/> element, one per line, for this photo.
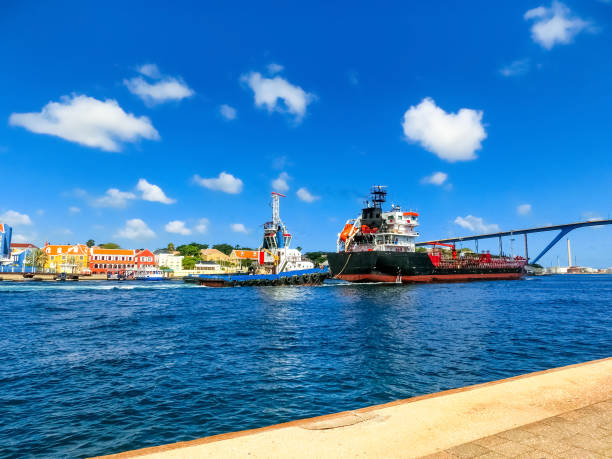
<point x="582" y="433"/>
<point x="563" y="412"/>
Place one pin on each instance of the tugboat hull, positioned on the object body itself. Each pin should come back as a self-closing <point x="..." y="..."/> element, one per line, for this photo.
<point x="414" y="267"/>
<point x="305" y="277"/>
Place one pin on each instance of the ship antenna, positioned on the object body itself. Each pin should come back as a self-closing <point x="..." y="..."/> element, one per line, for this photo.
<point x="379" y="195"/>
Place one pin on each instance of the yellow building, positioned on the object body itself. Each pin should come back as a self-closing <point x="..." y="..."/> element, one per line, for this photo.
<point x="213" y="255"/>
<point x="70" y="259"/>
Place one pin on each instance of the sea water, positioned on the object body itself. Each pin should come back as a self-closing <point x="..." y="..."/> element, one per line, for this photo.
<point x="89" y="368"/>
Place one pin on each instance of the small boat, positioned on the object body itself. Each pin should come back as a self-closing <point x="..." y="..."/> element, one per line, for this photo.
<point x="149" y="275"/>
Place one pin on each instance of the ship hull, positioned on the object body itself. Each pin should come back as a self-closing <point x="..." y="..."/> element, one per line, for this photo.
<point x="410" y="267"/>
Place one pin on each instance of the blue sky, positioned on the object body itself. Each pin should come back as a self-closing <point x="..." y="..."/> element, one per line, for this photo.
<point x="145" y="122"/>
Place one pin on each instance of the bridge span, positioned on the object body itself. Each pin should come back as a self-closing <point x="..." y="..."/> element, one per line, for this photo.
<point x="563" y="230"/>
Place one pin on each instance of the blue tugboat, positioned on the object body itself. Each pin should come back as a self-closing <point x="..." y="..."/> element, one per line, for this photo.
<point x="278" y="264"/>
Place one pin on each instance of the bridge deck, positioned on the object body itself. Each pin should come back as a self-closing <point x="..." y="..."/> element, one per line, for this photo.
<point x="540" y="229"/>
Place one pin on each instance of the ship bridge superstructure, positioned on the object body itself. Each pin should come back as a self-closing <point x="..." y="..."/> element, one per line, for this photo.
<point x="276" y="255"/>
<point x="393" y="230"/>
<point x="276" y="235"/>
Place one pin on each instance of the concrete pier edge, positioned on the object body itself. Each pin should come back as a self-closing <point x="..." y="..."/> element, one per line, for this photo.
<point x="571" y="387"/>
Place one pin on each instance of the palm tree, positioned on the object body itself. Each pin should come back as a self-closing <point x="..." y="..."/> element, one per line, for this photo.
<point x="37" y="258"/>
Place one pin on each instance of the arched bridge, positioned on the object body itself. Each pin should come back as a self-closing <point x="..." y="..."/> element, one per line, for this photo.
<point x="563" y="230"/>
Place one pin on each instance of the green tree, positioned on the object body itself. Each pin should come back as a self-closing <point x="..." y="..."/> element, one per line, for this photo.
<point x="171" y="247"/>
<point x="316" y="257"/>
<point x="189" y="262"/>
<point x="110" y="245"/>
<point x="90" y="243"/>
<point x="188" y="250"/>
<point x="225" y="248"/>
<point x="192" y="249"/>
<point x="37" y="258"/>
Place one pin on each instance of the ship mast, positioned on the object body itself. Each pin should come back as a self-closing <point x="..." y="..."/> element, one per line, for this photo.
<point x="379" y="195"/>
<point x="276" y="220"/>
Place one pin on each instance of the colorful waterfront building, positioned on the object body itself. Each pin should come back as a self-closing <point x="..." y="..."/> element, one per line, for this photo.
<point x="20" y="252"/>
<point x="112" y="261"/>
<point x="144" y="259"/>
<point x="18" y="258"/>
<point x="70" y="259"/>
<point x="6" y="233"/>
<point x="169" y="260"/>
<point x="213" y="255"/>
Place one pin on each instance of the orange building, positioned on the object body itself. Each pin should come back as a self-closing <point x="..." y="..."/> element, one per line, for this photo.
<point x="71" y="259"/>
<point x="112" y="261"/>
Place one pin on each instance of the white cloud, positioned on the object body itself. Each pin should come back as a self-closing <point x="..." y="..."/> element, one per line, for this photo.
<point x="450" y="136"/>
<point x="150" y="70"/>
<point x="202" y="225"/>
<point x="591" y="216"/>
<point x="135" y="229"/>
<point x="20" y="238"/>
<point x="238" y="228"/>
<point x="306" y="196"/>
<point x="225" y="182"/>
<point x="554" y="25"/>
<point x="87" y="121"/>
<point x="476" y="224"/>
<point x="227" y="112"/>
<point x="280" y="183"/>
<point x="153" y="193"/>
<point x="523" y="209"/>
<point x="274" y="68"/>
<point x="516" y="68"/>
<point x="13" y="218"/>
<point x="178" y="227"/>
<point x="74" y="209"/>
<point x="159" y="92"/>
<point x="113" y="198"/>
<point x="437" y="178"/>
<point x="269" y="92"/>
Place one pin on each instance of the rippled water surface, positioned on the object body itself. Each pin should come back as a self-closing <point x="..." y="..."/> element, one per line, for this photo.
<point x="94" y="368"/>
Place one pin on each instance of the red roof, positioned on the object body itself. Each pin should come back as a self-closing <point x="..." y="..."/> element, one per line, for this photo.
<point x="19" y="245"/>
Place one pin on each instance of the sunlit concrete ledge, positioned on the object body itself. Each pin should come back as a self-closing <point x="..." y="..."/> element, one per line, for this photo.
<point x="413" y="427"/>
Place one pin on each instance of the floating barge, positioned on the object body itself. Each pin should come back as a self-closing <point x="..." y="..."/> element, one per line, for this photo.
<point x="304" y="277"/>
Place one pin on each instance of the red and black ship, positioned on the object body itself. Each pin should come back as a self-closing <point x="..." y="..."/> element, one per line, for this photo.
<point x="379" y="246"/>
